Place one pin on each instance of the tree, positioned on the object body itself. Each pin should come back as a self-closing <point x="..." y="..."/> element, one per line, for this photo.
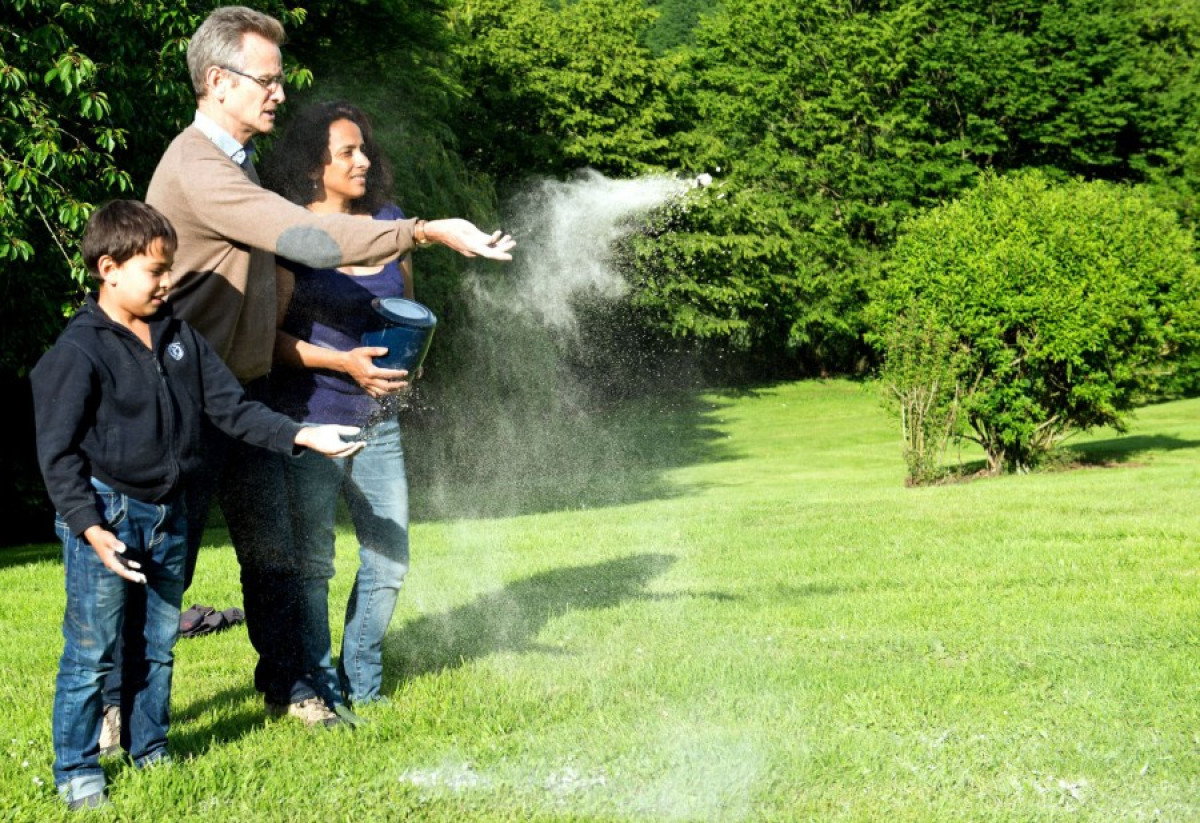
<point x="90" y="94"/>
<point x="827" y="124"/>
<point x="558" y="86"/>
<point x="1040" y="309"/>
<point x="675" y="22"/>
<point x="1170" y="71"/>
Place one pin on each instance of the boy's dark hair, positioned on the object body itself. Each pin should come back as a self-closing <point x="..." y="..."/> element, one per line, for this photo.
<point x="123" y="228"/>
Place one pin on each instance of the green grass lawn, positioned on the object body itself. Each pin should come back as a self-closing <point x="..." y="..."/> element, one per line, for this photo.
<point x="728" y="608"/>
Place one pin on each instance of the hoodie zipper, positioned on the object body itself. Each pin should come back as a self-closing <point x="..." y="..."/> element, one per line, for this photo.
<point x="170" y="415"/>
<point x="164" y="395"/>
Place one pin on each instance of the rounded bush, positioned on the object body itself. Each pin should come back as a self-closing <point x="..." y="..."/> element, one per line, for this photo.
<point x="1038" y="309"/>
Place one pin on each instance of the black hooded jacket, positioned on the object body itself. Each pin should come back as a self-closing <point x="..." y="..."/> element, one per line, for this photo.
<point x="110" y="408"/>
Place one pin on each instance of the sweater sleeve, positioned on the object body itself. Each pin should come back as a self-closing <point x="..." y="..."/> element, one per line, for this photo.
<point x="238" y="209"/>
<point x="225" y="404"/>
<point x="64" y="396"/>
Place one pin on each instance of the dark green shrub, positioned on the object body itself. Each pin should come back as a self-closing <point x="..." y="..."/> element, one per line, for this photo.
<point x="1054" y="308"/>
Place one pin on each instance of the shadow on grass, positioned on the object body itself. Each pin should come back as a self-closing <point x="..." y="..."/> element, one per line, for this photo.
<point x="33" y="553"/>
<point x="1124" y="449"/>
<point x="510" y="619"/>
<point x="239" y="711"/>
<point x="506" y="620"/>
<point x="1112" y="453"/>
<point x="578" y="460"/>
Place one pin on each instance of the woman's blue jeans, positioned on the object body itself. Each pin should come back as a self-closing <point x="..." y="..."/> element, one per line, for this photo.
<point x="101" y="605"/>
<point x="375" y="488"/>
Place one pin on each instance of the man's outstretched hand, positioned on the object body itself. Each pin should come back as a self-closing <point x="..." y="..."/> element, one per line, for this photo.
<point x="463" y="236"/>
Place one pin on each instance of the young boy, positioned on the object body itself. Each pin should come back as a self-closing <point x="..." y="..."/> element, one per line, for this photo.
<point x="119" y="401"/>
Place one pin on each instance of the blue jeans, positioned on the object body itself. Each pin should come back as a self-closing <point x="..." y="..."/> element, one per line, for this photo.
<point x="100" y="606"/>
<point x="374" y="485"/>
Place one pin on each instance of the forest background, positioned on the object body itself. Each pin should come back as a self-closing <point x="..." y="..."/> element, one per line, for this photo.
<point x="825" y="126"/>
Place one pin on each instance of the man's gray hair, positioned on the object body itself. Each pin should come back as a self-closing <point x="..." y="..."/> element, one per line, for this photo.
<point x="218" y="41"/>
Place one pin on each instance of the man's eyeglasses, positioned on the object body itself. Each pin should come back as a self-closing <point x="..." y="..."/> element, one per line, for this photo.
<point x="268" y="84"/>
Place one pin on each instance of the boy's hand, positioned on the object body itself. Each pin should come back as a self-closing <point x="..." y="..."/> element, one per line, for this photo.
<point x="328" y="440"/>
<point x="110" y="551"/>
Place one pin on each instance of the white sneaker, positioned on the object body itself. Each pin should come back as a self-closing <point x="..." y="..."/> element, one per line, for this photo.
<point x="110" y="731"/>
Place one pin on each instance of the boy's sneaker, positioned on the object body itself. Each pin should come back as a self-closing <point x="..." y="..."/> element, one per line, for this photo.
<point x="312" y="712"/>
<point x="110" y="731"/>
<point x="93" y="801"/>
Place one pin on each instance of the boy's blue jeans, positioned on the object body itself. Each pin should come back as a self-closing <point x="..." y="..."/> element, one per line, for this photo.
<point x="101" y="605"/>
<point x="375" y="488"/>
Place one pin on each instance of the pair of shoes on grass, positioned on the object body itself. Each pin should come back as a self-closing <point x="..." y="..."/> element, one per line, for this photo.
<point x="315" y="712"/>
<point x="110" y="731"/>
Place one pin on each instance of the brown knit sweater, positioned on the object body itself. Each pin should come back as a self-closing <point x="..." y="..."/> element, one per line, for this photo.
<point x="230" y="229"/>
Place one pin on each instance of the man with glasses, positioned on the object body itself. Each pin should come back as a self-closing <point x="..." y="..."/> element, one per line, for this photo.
<point x="267" y="84"/>
<point x="230" y="230"/>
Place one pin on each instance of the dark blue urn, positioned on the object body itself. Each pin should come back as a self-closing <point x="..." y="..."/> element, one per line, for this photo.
<point x="406" y="330"/>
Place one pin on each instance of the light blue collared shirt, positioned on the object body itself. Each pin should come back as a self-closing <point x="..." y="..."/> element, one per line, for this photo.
<point x="224" y="140"/>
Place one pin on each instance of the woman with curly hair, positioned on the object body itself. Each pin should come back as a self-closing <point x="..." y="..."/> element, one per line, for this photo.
<point x="328" y="161"/>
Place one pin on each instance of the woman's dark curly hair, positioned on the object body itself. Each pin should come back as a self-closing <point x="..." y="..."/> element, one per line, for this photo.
<point x="302" y="151"/>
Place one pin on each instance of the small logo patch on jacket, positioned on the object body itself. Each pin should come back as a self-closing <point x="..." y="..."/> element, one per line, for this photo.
<point x="175" y="350"/>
